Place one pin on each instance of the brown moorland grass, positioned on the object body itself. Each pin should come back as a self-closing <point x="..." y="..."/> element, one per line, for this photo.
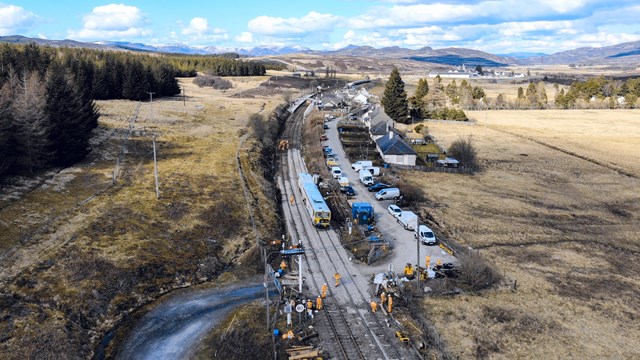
<point x="96" y="250"/>
<point x="565" y="228"/>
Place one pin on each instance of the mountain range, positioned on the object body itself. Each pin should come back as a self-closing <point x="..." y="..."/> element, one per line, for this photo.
<point x="628" y="53"/>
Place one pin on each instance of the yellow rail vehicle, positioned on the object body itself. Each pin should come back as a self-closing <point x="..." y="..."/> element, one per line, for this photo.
<point x="314" y="202"/>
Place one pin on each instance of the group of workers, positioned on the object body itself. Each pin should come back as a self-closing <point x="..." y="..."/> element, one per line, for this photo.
<point x="386" y="301"/>
<point x="410" y="271"/>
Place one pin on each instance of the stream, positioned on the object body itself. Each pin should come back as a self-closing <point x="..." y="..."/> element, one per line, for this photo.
<point x="174" y="327"/>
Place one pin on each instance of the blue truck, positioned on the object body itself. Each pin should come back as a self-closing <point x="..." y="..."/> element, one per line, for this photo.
<point x="362" y="213"/>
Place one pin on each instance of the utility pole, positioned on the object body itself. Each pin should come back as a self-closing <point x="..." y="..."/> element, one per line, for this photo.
<point x="155" y="167"/>
<point x="151" y="101"/>
<point x="300" y="274"/>
<point x="418" y="252"/>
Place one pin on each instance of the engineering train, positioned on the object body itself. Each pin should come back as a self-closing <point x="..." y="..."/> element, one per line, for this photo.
<point x="314" y="202"/>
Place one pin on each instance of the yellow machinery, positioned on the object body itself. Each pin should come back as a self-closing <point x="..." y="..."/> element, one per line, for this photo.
<point x="283" y="145"/>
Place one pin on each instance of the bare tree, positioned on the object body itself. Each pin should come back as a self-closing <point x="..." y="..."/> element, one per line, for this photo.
<point x="464" y="151"/>
<point x="31" y="122"/>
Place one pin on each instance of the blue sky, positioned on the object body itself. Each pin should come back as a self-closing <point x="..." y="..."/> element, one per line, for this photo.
<point x="489" y="25"/>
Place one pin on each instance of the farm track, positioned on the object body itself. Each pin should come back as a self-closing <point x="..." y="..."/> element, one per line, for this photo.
<point x="351" y="330"/>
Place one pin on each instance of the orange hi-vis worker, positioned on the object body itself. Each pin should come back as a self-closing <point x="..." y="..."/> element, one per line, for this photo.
<point x="390" y="304"/>
<point x="383" y="298"/>
<point x="374" y="306"/>
<point x="337" y="278"/>
<point x="438" y="262"/>
<point x="309" y="304"/>
<point x="283" y="265"/>
<point x="324" y="290"/>
<point x="319" y="305"/>
<point x="292" y="200"/>
<point x="427" y="260"/>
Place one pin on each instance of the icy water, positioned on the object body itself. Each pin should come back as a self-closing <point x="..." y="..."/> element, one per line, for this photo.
<point x="174" y="327"/>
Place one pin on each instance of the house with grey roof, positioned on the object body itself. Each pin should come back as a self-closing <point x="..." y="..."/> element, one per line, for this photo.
<point x="394" y="150"/>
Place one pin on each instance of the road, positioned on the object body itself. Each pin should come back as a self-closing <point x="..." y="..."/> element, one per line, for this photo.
<point x="402" y="241"/>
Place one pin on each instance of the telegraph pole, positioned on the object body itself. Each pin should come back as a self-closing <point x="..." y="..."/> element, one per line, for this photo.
<point x="155" y="167"/>
<point x="151" y="101"/>
<point x="418" y="252"/>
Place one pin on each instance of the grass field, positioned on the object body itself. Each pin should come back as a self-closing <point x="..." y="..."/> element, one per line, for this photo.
<point x="565" y="228"/>
<point x="80" y="251"/>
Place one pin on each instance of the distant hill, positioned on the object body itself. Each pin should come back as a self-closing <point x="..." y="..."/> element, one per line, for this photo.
<point x="621" y="53"/>
<point x="625" y="53"/>
<point x="523" y="54"/>
<point x="19" y="39"/>
<point x="207" y="50"/>
<point x="448" y="56"/>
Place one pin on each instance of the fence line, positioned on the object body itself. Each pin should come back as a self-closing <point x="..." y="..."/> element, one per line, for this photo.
<point x="458" y="170"/>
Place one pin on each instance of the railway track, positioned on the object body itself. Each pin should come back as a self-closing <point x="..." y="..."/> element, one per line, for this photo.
<point x="351" y="331"/>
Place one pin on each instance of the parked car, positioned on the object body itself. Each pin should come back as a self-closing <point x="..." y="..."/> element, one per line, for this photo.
<point x="326" y="127"/>
<point x="394" y="210"/>
<point x="388" y="194"/>
<point x="348" y="190"/>
<point x="378" y="186"/>
<point x="426" y="235"/>
<point x="336" y="172"/>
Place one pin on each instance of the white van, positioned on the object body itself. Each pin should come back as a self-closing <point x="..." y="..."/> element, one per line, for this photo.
<point x="373" y="170"/>
<point x="388" y="194"/>
<point x="427" y="237"/>
<point x="358" y="165"/>
<point x="408" y="219"/>
<point x="365" y="177"/>
<point x="336" y="172"/>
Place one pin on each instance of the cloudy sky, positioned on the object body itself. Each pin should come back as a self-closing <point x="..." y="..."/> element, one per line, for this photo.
<point x="497" y="26"/>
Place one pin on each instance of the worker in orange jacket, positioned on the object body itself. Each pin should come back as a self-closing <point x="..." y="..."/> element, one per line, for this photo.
<point x="319" y="305"/>
<point x="374" y="306"/>
<point x="324" y="290"/>
<point x="337" y="278"/>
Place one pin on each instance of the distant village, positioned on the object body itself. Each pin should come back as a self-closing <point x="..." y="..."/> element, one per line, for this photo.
<point x="461" y="72"/>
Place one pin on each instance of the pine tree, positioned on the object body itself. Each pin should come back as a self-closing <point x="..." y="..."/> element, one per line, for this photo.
<point x="417" y="101"/>
<point x="72" y="116"/>
<point x="452" y="92"/>
<point x="135" y="82"/>
<point x="394" y="98"/>
<point x="421" y="90"/>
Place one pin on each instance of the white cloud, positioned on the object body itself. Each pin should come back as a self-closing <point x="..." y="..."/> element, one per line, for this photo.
<point x="563" y="6"/>
<point x="200" y="26"/>
<point x="519" y="28"/>
<point x="245" y="37"/>
<point x="281" y="27"/>
<point x="15" y="19"/>
<point x="113" y="21"/>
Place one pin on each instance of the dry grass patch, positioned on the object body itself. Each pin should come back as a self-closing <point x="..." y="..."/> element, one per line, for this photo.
<point x="565" y="228"/>
<point x="610" y="136"/>
<point x="90" y="263"/>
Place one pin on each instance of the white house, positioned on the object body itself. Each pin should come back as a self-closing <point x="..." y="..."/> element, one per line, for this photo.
<point x="394" y="150"/>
